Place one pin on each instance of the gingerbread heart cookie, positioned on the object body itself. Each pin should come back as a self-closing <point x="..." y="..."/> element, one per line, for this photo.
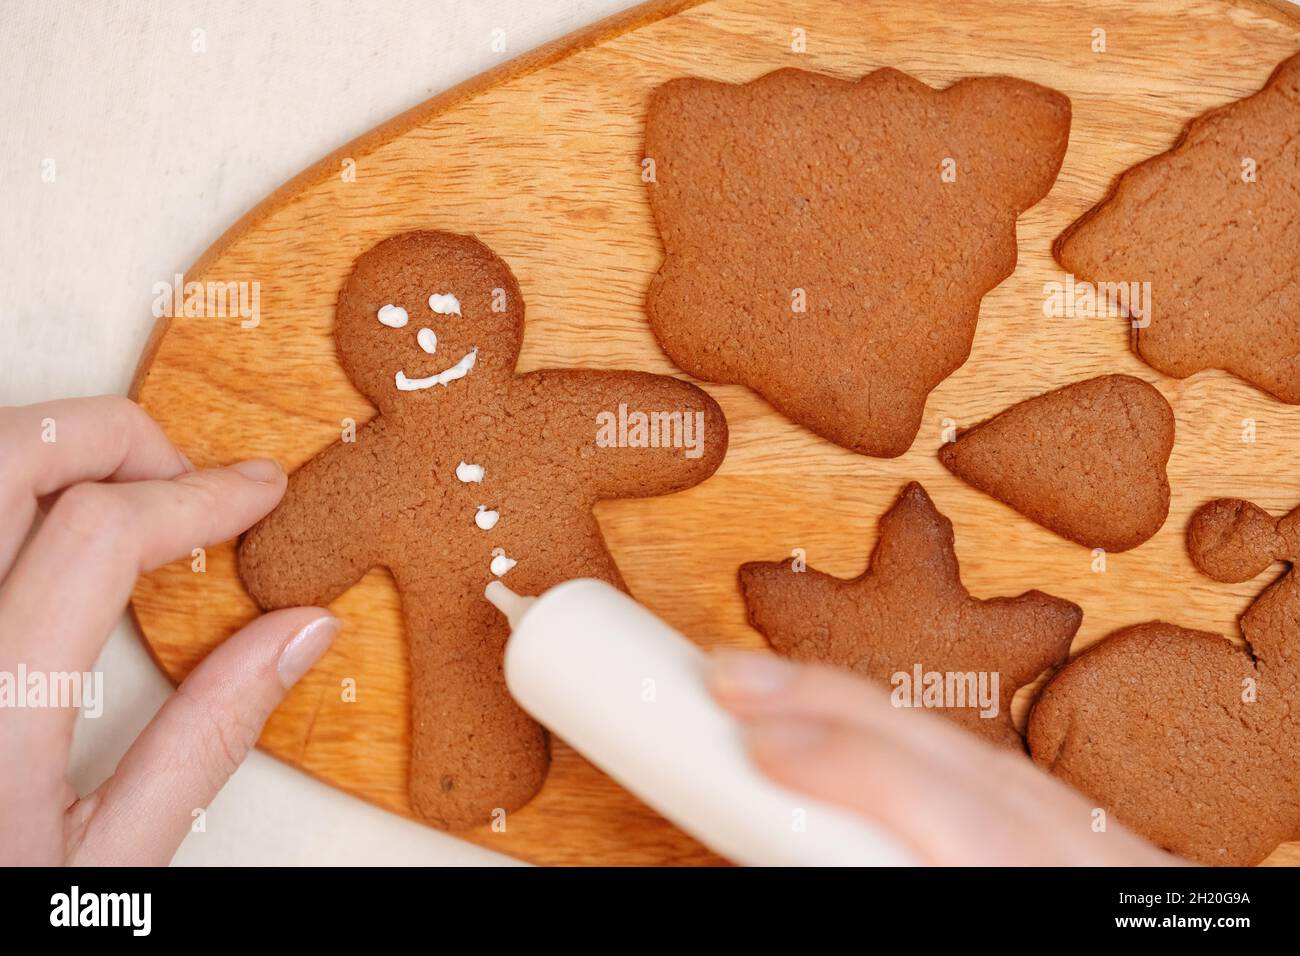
<point x="1197" y="246"/>
<point x="1186" y="737"/>
<point x="468" y="473"/>
<point x="908" y="622"/>
<point x="1086" y="461"/>
<point x="827" y="243"/>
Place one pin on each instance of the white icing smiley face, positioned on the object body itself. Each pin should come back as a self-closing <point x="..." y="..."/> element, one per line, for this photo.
<point x="395" y="317"/>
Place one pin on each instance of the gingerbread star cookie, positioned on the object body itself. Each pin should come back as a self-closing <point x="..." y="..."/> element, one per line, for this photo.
<point x="1086" y="461"/>
<point x="469" y="472"/>
<point x="1197" y="246"/>
<point x="908" y="622"/>
<point x="1184" y="736"/>
<point x="827" y="242"/>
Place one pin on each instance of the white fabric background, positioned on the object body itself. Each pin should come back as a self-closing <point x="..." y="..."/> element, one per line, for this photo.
<point x="156" y="150"/>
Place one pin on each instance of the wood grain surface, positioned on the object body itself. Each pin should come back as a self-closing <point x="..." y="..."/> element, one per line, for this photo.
<point x="541" y="159"/>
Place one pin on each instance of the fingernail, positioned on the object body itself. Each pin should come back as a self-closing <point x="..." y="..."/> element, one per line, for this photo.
<point x="185" y="460"/>
<point x="259" y="469"/>
<point x="751" y="673"/>
<point x="306" y="648"/>
<point x="779" y="738"/>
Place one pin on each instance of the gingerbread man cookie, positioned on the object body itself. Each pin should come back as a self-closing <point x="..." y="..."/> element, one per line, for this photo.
<point x="469" y="473"/>
<point x="827" y="242"/>
<point x="1186" y="737"/>
<point x="908" y="618"/>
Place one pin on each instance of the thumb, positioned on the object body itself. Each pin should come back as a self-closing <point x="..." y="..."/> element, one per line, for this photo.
<point x="140" y="815"/>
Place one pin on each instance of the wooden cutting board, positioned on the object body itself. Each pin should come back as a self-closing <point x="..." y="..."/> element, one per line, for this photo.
<point x="541" y="158"/>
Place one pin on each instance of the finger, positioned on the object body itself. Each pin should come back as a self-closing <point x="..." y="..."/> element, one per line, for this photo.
<point x="940" y="816"/>
<point x="994" y="809"/>
<point x="49" y="446"/>
<point x="76" y="575"/>
<point x="950" y="796"/>
<point x="70" y="585"/>
<point x="196" y="741"/>
<point x="758" y="684"/>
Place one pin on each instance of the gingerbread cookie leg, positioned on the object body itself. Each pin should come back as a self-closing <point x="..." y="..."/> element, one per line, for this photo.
<point x="474" y="752"/>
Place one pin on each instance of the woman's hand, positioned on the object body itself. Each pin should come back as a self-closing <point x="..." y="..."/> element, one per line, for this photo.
<point x="121" y="500"/>
<point x="940" y="791"/>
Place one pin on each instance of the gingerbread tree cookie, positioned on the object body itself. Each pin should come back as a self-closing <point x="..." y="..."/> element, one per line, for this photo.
<point x="1209" y="231"/>
<point x="827" y="242"/>
<point x="1086" y="461"/>
<point x="908" y="617"/>
<point x="469" y="472"/>
<point x="1184" y="736"/>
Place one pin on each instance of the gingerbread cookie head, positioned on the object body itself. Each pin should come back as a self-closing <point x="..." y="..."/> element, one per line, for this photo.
<point x="415" y="328"/>
<point x="1234" y="540"/>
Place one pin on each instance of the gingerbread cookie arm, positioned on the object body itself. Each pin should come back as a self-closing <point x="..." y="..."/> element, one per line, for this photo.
<point x="774" y="593"/>
<point x="1026" y="635"/>
<point x="630" y="434"/>
<point x="1269" y="626"/>
<point x="314" y="546"/>
<point x="1031" y="122"/>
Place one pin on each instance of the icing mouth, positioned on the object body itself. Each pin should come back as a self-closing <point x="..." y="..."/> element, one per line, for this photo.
<point x="459" y="370"/>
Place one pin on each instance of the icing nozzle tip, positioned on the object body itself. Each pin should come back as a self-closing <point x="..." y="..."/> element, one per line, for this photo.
<point x="512" y="605"/>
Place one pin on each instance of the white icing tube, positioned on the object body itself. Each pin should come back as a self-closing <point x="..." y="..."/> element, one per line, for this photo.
<point x="629" y="693"/>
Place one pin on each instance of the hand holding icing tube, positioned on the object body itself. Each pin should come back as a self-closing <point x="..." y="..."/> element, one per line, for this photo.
<point x="634" y="697"/>
<point x="631" y="695"/>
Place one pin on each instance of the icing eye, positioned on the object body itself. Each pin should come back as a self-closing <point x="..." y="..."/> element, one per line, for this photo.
<point x="467" y="472"/>
<point x="428" y="340"/>
<point x="393" y="316"/>
<point x="446" y="304"/>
